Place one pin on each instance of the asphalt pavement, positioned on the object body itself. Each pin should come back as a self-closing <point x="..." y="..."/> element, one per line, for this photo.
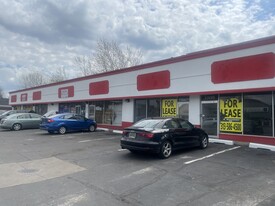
<point x="37" y="168"/>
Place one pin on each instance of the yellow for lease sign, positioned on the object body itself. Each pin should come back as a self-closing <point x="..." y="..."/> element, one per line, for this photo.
<point x="231" y="115"/>
<point x="169" y="108"/>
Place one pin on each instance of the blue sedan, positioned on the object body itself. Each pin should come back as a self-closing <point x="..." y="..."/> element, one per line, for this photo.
<point x="62" y="123"/>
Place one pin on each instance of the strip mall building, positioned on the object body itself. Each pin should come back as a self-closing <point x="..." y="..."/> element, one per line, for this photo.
<point x="228" y="91"/>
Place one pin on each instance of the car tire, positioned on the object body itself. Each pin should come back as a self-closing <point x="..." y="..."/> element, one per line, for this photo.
<point x="203" y="141"/>
<point x="165" y="150"/>
<point x="16" y="127"/>
<point x="62" y="130"/>
<point x="92" y="128"/>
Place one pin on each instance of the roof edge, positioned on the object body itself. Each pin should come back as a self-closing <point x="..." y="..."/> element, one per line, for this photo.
<point x="189" y="56"/>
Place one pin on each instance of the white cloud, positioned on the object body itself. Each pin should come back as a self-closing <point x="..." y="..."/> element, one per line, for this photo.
<point x="49" y="34"/>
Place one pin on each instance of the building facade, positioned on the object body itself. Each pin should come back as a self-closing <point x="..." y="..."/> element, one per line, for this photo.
<point x="228" y="91"/>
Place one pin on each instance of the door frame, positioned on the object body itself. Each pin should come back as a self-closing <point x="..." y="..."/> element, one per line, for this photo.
<point x="218" y="116"/>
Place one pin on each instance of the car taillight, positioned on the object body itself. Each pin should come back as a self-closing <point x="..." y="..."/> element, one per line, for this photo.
<point x="50" y="120"/>
<point x="147" y="135"/>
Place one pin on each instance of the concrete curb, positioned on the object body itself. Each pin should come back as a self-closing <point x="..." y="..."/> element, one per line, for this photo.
<point x="250" y="145"/>
<point x="221" y="141"/>
<point x="110" y="130"/>
<point x="262" y="146"/>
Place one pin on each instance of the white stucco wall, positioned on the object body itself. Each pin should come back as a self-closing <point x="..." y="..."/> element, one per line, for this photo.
<point x="194" y="110"/>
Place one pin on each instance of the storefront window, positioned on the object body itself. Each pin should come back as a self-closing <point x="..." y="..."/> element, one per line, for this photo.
<point x="183" y="107"/>
<point x="99" y="111"/>
<point x="231" y="111"/>
<point x="258" y="114"/>
<point x="41" y="109"/>
<point x="113" y="112"/>
<point x="106" y="112"/>
<point x="140" y="109"/>
<point x="27" y="107"/>
<point x="146" y="108"/>
<point x="77" y="108"/>
<point x="153" y="108"/>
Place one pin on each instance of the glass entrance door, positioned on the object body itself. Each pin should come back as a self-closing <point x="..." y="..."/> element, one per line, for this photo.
<point x="91" y="111"/>
<point x="209" y="117"/>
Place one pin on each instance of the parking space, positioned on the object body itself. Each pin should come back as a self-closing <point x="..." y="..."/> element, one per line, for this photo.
<point x="37" y="168"/>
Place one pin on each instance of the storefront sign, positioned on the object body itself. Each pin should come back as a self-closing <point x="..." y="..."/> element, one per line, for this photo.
<point x="231" y="115"/>
<point x="169" y="108"/>
<point x="24" y="97"/>
<point x="64" y="93"/>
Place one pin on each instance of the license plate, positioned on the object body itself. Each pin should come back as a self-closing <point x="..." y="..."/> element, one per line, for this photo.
<point x="132" y="135"/>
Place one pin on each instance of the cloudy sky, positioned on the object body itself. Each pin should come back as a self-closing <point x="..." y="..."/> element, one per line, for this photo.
<point x="47" y="34"/>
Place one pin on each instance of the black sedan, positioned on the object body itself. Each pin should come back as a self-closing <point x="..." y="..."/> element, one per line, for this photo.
<point x="162" y="136"/>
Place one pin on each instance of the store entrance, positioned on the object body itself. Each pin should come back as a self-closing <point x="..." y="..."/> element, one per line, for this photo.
<point x="92" y="111"/>
<point x="209" y="117"/>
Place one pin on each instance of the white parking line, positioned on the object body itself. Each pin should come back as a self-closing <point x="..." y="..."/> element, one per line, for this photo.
<point x="121" y="150"/>
<point x="98" y="139"/>
<point x="88" y="140"/>
<point x="135" y="173"/>
<point x="211" y="155"/>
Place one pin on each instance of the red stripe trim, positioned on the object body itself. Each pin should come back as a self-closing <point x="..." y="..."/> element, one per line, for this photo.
<point x="111" y="127"/>
<point x="247" y="138"/>
<point x="36" y="95"/>
<point x="154" y="80"/>
<point x="256" y="67"/>
<point x="13" y="98"/>
<point x="24" y="97"/>
<point x="96" y="88"/>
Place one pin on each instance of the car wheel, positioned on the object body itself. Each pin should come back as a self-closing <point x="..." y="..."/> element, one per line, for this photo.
<point x="203" y="141"/>
<point x="62" y="130"/>
<point x="16" y="126"/>
<point x="92" y="128"/>
<point x="165" y="150"/>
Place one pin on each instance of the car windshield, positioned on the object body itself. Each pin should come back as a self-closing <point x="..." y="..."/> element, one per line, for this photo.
<point x="148" y="123"/>
<point x="7" y="112"/>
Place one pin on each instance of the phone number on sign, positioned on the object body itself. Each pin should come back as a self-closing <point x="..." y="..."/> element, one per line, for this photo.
<point x="231" y="127"/>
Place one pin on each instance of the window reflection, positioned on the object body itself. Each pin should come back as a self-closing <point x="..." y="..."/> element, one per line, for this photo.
<point x="258" y="114"/>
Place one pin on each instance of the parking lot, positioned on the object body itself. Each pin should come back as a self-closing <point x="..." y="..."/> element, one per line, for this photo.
<point x="37" y="168"/>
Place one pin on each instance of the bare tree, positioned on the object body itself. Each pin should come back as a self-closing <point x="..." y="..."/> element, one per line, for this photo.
<point x="33" y="78"/>
<point x="84" y="64"/>
<point x="58" y="75"/>
<point x="108" y="56"/>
